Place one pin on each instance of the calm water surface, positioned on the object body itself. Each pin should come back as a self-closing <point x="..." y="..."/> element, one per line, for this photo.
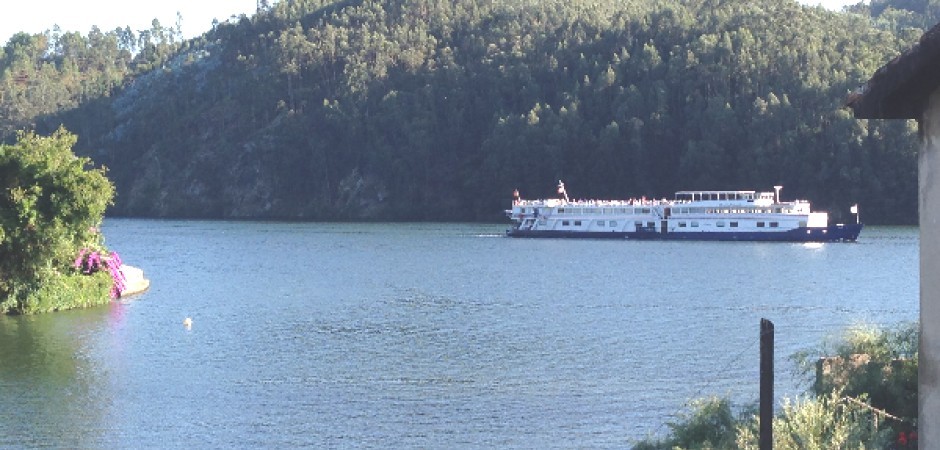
<point x="428" y="335"/>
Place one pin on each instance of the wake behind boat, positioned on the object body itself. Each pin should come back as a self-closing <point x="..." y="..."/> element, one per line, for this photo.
<point x="691" y="215"/>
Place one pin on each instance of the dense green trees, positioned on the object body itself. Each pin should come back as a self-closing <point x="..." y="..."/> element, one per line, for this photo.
<point x="44" y="76"/>
<point x="438" y="109"/>
<point x="51" y="204"/>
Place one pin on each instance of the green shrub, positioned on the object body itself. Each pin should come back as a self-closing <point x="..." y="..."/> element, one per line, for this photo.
<point x="709" y="424"/>
<point x="65" y="291"/>
<point x="874" y="368"/>
<point x="820" y="423"/>
<point x="51" y="204"/>
<point x="873" y="363"/>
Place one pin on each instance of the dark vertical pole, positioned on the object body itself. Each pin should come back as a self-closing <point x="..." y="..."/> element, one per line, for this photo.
<point x="766" y="385"/>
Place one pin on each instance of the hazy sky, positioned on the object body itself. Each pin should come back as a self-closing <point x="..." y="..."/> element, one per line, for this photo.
<point x="36" y="16"/>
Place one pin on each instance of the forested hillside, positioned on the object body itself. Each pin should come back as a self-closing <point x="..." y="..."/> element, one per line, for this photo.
<point x="438" y="109"/>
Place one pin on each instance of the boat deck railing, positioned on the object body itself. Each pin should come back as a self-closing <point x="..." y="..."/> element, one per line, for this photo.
<point x="595" y="203"/>
<point x="551" y="203"/>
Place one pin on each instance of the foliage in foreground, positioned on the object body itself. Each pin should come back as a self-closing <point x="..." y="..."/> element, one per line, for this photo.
<point x="709" y="424"/>
<point x="870" y="403"/>
<point x="51" y="205"/>
<point x="867" y="361"/>
<point x="820" y="423"/>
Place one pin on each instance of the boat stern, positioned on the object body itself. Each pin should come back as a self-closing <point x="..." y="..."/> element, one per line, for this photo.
<point x="846" y="232"/>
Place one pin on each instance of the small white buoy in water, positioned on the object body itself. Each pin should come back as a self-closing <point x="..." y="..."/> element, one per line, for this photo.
<point x="188" y="322"/>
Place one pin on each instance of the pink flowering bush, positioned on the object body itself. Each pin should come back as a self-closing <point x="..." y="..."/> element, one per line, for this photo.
<point x="91" y="261"/>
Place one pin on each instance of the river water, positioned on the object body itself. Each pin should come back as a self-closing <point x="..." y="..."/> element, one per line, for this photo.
<point x="428" y="335"/>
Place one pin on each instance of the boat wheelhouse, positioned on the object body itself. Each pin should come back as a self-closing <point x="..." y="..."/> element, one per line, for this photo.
<point x="691" y="215"/>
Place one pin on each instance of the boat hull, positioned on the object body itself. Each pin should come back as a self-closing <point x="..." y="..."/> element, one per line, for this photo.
<point x="832" y="233"/>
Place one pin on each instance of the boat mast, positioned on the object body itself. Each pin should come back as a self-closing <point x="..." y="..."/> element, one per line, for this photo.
<point x="777" y="195"/>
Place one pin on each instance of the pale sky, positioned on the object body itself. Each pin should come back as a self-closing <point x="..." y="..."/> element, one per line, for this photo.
<point x="36" y="16"/>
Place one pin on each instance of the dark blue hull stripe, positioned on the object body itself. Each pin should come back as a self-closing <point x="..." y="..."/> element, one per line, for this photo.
<point x="832" y="233"/>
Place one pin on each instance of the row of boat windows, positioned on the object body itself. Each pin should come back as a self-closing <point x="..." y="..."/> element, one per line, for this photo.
<point x="682" y="224"/>
<point x="733" y="211"/>
<point x="731" y="224"/>
<point x="694" y="196"/>
<point x="601" y="223"/>
<point x="603" y="210"/>
<point x="674" y="211"/>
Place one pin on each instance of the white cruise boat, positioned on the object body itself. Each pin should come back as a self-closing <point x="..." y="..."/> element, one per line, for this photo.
<point x="691" y="215"/>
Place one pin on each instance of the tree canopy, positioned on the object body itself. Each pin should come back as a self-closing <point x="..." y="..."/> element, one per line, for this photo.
<point x="438" y="109"/>
<point x="51" y="204"/>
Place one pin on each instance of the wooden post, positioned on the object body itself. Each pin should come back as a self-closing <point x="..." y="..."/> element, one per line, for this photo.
<point x="766" y="385"/>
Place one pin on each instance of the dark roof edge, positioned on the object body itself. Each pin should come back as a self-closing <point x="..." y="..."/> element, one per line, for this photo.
<point x="900" y="88"/>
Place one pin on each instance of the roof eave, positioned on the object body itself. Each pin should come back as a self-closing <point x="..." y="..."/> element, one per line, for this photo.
<point x="899" y="89"/>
